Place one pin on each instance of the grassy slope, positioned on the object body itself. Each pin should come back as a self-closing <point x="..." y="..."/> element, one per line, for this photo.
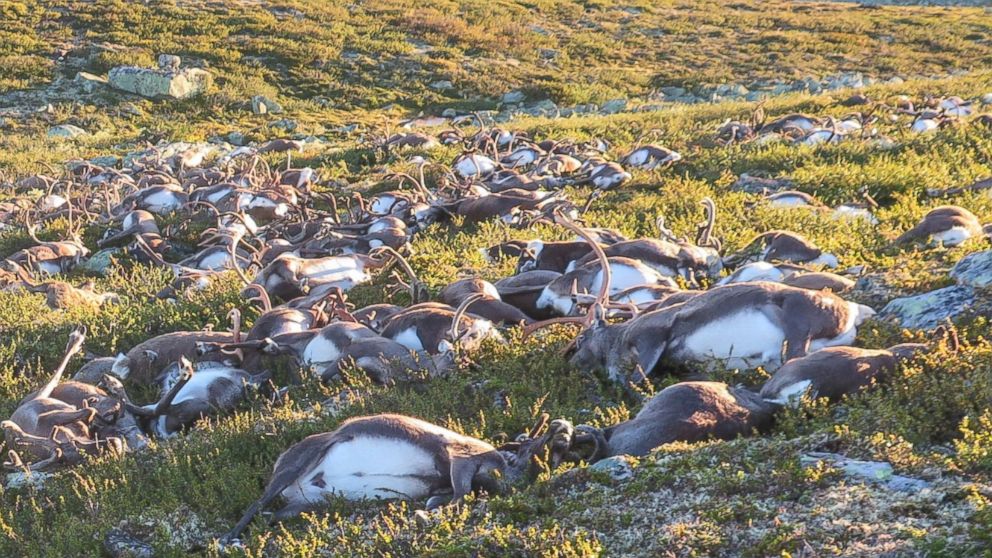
<point x="749" y="497"/>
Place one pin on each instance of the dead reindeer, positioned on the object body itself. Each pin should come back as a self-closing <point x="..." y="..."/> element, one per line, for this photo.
<point x="738" y="326"/>
<point x="789" y="274"/>
<point x="312" y="348"/>
<point x="834" y="372"/>
<point x="290" y="276"/>
<point x="143" y="363"/>
<point x="60" y="295"/>
<point x="137" y="222"/>
<point x="589" y="277"/>
<point x="650" y="156"/>
<point x="684" y="412"/>
<point x="376" y="316"/>
<point x="785" y="246"/>
<point x="205" y="390"/>
<point x="435" y="328"/>
<point x="398" y="457"/>
<point x="489" y="305"/>
<point x="50" y="431"/>
<point x="524" y="289"/>
<point x="947" y="225"/>
<point x="160" y="199"/>
<point x="51" y="257"/>
<point x="386" y="362"/>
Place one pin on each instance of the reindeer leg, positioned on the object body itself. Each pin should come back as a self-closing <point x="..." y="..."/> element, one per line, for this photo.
<point x="62" y="418"/>
<point x="162" y="407"/>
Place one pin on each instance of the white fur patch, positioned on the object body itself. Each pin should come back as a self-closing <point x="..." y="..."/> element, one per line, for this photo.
<point x="409" y="339"/>
<point x="368" y="467"/>
<point x="952" y="236"/>
<point x="743" y="339"/>
<point x="755" y="271"/>
<point x="792" y="394"/>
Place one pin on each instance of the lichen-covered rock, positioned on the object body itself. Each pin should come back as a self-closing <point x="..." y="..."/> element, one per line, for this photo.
<point x="90" y="82"/>
<point x="169" y="62"/>
<point x="260" y="104"/>
<point x="66" y="131"/>
<point x="928" y="310"/>
<point x="20" y="479"/>
<point x="619" y="467"/>
<point x="877" y="472"/>
<point x="160" y="84"/>
<point x="974" y="270"/>
<point x="100" y="262"/>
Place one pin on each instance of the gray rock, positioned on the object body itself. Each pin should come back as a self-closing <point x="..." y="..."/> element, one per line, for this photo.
<point x="673" y="91"/>
<point x="974" y="270"/>
<point x="286" y="124"/>
<point x="442" y="85"/>
<point x="100" y="262"/>
<point x="619" y="467"/>
<point x="169" y="62"/>
<point x="928" y="310"/>
<point x="66" y="131"/>
<point x="121" y="544"/>
<point x="90" y="82"/>
<point x="106" y="160"/>
<point x="236" y="138"/>
<point x="875" y="472"/>
<point x="159" y="84"/>
<point x="260" y="104"/>
<point x="987" y="99"/>
<point x="449" y="113"/>
<point x="514" y="97"/>
<point x="614" y="106"/>
<point x="20" y="479"/>
<point x="547" y="107"/>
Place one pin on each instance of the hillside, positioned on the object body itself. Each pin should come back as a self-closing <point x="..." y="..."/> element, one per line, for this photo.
<point x="347" y="74"/>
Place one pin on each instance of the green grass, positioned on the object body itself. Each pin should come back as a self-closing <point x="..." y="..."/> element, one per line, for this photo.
<point x="749" y="497"/>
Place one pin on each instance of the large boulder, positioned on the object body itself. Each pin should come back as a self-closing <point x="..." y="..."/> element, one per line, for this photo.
<point x="928" y="310"/>
<point x="160" y="84"/>
<point x="974" y="270"/>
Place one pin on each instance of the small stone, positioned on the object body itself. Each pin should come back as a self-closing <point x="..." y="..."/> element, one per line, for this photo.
<point x="928" y="310"/>
<point x="974" y="270"/>
<point x="442" y="85"/>
<point x="66" y="131"/>
<point x="286" y="124"/>
<point x="614" y="106"/>
<point x="236" y="138"/>
<point x="422" y="517"/>
<point x="260" y="104"/>
<point x="90" y="82"/>
<point x="169" y="62"/>
<point x="100" y="262"/>
<point x="514" y="97"/>
<point x="618" y="467"/>
<point x="987" y="99"/>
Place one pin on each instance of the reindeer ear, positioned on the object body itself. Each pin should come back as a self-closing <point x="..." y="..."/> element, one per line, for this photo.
<point x="645" y="355"/>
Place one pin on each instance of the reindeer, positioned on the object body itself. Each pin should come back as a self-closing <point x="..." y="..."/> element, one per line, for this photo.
<point x="394" y="456"/>
<point x="50" y="430"/>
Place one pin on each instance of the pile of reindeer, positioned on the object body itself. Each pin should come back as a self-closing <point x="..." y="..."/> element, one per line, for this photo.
<point x="640" y="304"/>
<point x="925" y="115"/>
